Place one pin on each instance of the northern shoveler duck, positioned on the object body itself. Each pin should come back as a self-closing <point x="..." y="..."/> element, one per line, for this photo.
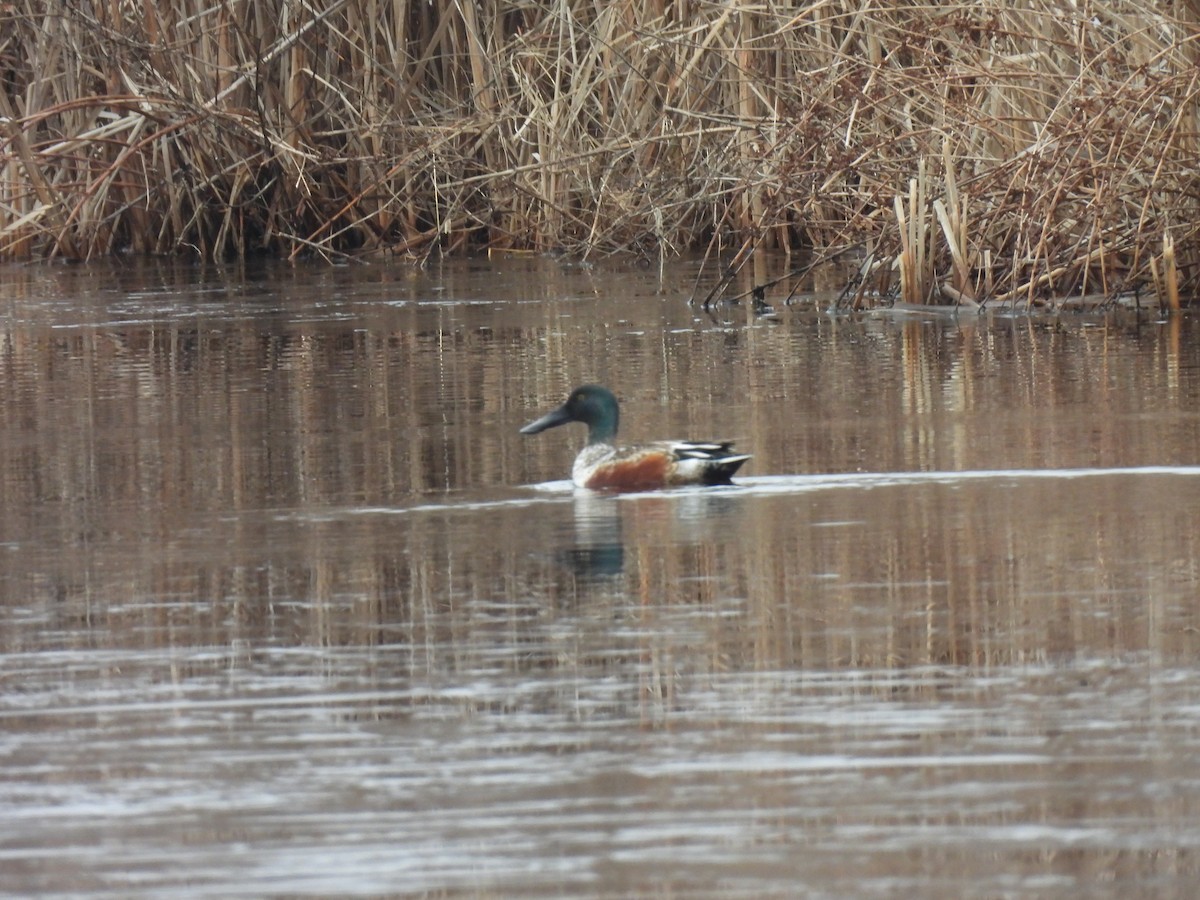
<point x="601" y="465"/>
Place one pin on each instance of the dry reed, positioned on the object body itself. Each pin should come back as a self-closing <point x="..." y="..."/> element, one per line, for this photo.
<point x="982" y="151"/>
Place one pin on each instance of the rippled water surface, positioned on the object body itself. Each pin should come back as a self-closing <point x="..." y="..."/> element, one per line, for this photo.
<point x="289" y="607"/>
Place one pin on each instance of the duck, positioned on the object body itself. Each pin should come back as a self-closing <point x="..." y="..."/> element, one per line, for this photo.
<point x="602" y="465"/>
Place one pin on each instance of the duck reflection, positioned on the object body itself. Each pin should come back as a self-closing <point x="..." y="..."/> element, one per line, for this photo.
<point x="606" y="523"/>
<point x="599" y="551"/>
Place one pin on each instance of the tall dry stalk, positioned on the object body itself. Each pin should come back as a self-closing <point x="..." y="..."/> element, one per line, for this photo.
<point x="1067" y="131"/>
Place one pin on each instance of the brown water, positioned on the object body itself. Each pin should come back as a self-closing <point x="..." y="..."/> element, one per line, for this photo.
<point x="288" y="606"/>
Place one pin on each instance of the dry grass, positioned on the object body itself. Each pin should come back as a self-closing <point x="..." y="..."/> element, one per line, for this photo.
<point x="983" y="151"/>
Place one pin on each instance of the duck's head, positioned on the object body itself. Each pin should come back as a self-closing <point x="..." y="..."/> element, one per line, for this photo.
<point x="591" y="404"/>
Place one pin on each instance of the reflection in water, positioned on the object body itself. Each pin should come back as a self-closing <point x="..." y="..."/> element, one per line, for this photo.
<point x="598" y="550"/>
<point x="285" y="600"/>
<point x="679" y="518"/>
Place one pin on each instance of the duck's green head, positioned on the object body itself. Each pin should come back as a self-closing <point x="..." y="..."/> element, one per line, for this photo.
<point x="591" y="404"/>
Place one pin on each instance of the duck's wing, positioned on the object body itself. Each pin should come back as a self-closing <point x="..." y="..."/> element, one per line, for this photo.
<point x="705" y="462"/>
<point x="714" y="450"/>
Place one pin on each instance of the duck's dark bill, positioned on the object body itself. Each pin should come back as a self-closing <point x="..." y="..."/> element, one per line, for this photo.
<point x="559" y="416"/>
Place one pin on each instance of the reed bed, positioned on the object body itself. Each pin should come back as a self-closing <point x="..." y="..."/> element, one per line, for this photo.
<point x="970" y="152"/>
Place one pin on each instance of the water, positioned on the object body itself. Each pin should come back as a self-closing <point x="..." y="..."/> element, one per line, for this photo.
<point x="288" y="606"/>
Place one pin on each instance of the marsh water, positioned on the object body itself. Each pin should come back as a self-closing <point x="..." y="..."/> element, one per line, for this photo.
<point x="289" y="607"/>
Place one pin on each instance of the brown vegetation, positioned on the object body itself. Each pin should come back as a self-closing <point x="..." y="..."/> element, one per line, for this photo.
<point x="974" y="151"/>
